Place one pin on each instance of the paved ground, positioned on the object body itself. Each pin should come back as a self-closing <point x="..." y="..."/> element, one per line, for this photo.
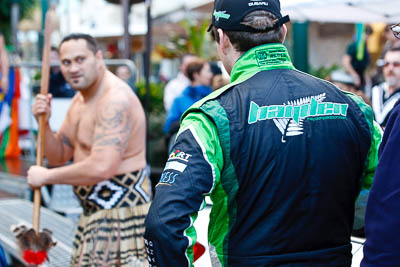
<point x="6" y="195"/>
<point x="10" y="168"/>
<point x="15" y="166"/>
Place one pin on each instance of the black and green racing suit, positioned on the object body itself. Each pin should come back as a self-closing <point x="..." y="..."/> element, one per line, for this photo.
<point x="282" y="155"/>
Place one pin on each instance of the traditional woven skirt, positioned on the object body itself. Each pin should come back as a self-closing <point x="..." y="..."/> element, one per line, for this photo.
<point x="111" y="228"/>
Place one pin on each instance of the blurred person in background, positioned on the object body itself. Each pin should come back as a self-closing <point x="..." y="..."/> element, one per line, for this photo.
<point x="386" y="94"/>
<point x="4" y="66"/>
<point x="58" y="87"/>
<point x="357" y="59"/>
<point x="382" y="218"/>
<point x="345" y="81"/>
<point x="390" y="40"/>
<point x="200" y="75"/>
<point x="175" y="87"/>
<point x="3" y="261"/>
<point x="124" y="73"/>
<point x="218" y="80"/>
<point x="104" y="132"/>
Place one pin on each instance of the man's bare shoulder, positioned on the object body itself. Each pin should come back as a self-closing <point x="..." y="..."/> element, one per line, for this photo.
<point x="118" y="92"/>
<point x="75" y="105"/>
<point x="76" y="99"/>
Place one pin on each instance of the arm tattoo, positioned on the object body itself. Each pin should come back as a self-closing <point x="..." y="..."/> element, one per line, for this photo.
<point x="112" y="116"/>
<point x="114" y="125"/>
<point x="65" y="140"/>
<point x="110" y="142"/>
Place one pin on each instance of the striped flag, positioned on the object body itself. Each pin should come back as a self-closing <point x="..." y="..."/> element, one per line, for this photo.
<point x="9" y="146"/>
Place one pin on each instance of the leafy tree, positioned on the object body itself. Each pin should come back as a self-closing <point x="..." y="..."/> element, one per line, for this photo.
<point x="25" y="8"/>
<point x="191" y="42"/>
<point x="196" y="34"/>
<point x="323" y="72"/>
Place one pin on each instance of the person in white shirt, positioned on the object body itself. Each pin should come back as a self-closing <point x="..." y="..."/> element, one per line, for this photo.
<point x="175" y="87"/>
<point x="385" y="95"/>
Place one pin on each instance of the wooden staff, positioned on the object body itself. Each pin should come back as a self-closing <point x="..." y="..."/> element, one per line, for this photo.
<point x="33" y="244"/>
<point x="44" y="89"/>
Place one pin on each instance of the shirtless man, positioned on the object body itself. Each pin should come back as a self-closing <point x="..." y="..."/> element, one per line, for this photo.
<point x="104" y="134"/>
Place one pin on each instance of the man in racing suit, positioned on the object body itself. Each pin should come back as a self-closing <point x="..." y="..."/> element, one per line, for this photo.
<point x="281" y="154"/>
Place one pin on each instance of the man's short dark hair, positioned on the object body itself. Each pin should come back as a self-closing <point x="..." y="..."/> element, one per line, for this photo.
<point x="90" y="41"/>
<point x="195" y="67"/>
<point x="368" y="29"/>
<point x="394" y="48"/>
<point x="258" y="20"/>
<point x="182" y="58"/>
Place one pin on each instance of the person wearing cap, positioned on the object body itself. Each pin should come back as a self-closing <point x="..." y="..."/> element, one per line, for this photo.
<point x="281" y="154"/>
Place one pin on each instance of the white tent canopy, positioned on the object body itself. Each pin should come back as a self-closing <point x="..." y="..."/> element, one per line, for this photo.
<point x="161" y="7"/>
<point x="340" y="11"/>
<point x="100" y="18"/>
<point x="343" y="11"/>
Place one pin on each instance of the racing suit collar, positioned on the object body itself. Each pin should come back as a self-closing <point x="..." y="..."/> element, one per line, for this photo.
<point x="260" y="58"/>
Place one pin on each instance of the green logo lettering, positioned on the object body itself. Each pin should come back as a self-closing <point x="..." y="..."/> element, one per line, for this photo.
<point x="296" y="112"/>
<point x="221" y="14"/>
<point x="253" y="114"/>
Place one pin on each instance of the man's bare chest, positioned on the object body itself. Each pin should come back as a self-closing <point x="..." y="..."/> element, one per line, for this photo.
<point x="83" y="128"/>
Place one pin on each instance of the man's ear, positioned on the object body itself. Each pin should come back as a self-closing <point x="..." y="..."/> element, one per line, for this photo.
<point x="224" y="41"/>
<point x="284" y="29"/>
<point x="99" y="54"/>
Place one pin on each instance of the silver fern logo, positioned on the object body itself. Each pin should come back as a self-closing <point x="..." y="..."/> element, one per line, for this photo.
<point x="289" y="127"/>
<point x="289" y="118"/>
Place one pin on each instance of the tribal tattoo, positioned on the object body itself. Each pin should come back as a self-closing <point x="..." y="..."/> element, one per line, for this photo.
<point x="112" y="116"/>
<point x="66" y="141"/>
<point x="114" y="126"/>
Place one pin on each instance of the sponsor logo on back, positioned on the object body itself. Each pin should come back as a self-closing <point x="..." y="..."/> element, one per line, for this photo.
<point x="289" y="117"/>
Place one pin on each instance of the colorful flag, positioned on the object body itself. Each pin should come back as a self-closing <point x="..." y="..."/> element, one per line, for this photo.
<point x="9" y="146"/>
<point x="360" y="33"/>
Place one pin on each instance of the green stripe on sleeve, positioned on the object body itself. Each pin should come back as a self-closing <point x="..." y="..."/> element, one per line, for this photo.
<point x="376" y="138"/>
<point x="223" y="217"/>
<point x="205" y="134"/>
<point x="190" y="233"/>
<point x="372" y="161"/>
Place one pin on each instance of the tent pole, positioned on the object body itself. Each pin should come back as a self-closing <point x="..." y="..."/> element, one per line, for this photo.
<point x="14" y="24"/>
<point x="127" y="44"/>
<point x="300" y="46"/>
<point x="147" y="66"/>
